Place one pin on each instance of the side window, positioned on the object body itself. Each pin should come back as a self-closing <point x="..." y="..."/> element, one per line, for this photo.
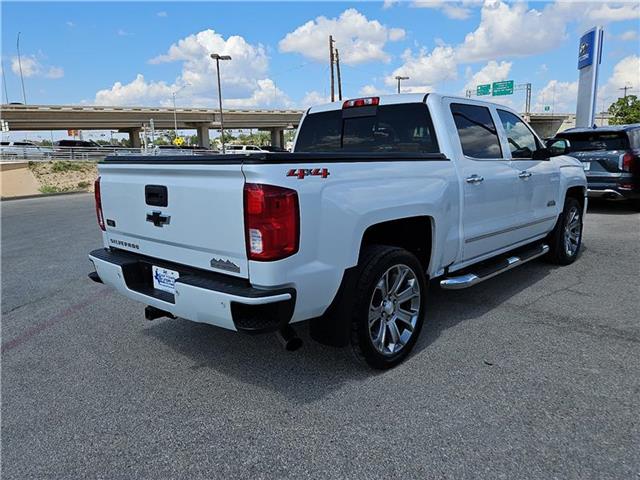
<point x="477" y="132"/>
<point x="522" y="142"/>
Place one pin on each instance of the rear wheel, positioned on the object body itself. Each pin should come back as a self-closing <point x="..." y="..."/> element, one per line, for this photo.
<point x="389" y="306"/>
<point x="565" y="240"/>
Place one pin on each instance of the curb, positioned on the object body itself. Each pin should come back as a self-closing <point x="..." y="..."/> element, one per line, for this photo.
<point x="40" y="195"/>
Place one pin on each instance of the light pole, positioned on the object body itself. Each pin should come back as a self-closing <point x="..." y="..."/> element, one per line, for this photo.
<point x="398" y="78"/>
<point x="217" y="58"/>
<point x="175" y="115"/>
<point x="24" y="95"/>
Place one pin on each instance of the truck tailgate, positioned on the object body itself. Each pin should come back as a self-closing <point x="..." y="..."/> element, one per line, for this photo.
<point x="199" y="223"/>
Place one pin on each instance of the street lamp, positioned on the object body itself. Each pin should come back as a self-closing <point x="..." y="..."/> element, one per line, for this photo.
<point x="175" y="115"/>
<point x="217" y="58"/>
<point x="398" y="78"/>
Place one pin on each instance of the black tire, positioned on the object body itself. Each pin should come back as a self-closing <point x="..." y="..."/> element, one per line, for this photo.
<point x="375" y="262"/>
<point x="559" y="252"/>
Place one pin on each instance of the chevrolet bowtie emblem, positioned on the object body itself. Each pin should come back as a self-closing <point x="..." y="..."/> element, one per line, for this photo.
<point x="158" y="219"/>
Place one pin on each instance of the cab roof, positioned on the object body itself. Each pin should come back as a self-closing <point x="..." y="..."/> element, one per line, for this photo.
<point x="398" y="98"/>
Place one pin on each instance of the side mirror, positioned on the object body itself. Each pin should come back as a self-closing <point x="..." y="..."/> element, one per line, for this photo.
<point x="541" y="154"/>
<point x="558" y="146"/>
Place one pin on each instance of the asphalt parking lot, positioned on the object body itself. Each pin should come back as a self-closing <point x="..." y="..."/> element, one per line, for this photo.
<point x="533" y="374"/>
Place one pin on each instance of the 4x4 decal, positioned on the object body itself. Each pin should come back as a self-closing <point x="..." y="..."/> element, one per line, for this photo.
<point x="306" y="172"/>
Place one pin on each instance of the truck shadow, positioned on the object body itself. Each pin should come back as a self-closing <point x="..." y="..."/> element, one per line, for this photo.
<point x="316" y="371"/>
<point x="448" y="308"/>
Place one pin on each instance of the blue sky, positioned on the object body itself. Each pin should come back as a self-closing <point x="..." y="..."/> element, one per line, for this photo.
<point x="121" y="53"/>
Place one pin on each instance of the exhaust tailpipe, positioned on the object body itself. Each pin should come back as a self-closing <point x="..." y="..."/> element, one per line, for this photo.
<point x="288" y="338"/>
<point x="151" y="313"/>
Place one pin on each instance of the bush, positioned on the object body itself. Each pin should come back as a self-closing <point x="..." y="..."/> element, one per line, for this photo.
<point x="50" y="189"/>
<point x="83" y="185"/>
<point x="66" y="166"/>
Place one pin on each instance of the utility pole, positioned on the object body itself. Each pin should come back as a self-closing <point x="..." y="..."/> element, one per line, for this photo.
<point x="333" y="95"/>
<point x="527" y="107"/>
<point x="24" y="95"/>
<point x="217" y="58"/>
<point x="338" y="72"/>
<point x="398" y="78"/>
<point x="625" y="88"/>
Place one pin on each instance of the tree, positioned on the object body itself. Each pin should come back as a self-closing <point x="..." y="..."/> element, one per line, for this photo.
<point x="625" y="110"/>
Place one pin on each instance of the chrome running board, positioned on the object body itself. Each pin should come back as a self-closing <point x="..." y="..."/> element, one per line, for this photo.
<point x="471" y="279"/>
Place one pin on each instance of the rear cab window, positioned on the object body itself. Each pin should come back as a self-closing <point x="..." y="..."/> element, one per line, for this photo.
<point x="384" y="128"/>
<point x="476" y="130"/>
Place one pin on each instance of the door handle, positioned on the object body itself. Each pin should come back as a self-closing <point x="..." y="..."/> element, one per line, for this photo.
<point x="474" y="179"/>
<point x="524" y="174"/>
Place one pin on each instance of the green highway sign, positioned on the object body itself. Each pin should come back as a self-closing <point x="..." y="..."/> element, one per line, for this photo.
<point x="483" y="89"/>
<point x="503" y="88"/>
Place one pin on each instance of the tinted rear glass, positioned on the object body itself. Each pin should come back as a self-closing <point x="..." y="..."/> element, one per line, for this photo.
<point x="390" y="128"/>
<point x="585" y="141"/>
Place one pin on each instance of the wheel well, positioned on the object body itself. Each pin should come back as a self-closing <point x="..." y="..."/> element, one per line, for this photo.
<point x="577" y="193"/>
<point x="412" y="234"/>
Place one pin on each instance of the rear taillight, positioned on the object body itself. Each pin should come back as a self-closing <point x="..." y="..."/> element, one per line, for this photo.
<point x="96" y="190"/>
<point x="361" y="102"/>
<point x="271" y="220"/>
<point x="627" y="161"/>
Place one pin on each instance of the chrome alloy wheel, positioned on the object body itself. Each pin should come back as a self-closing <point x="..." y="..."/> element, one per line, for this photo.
<point x="394" y="309"/>
<point x="572" y="231"/>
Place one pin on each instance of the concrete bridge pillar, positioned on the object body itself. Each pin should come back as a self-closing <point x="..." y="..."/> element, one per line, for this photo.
<point x="203" y="136"/>
<point x="277" y="137"/>
<point x="134" y="137"/>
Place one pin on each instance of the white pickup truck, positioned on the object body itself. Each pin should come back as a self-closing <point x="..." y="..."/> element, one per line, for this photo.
<point x="380" y="196"/>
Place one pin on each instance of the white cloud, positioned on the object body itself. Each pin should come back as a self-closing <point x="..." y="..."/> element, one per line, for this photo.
<point x="314" y="98"/>
<point x="358" y="39"/>
<point x="55" y="72"/>
<point x="162" y="14"/>
<point x="389" y="3"/>
<point x="31" y="67"/>
<point x="372" y="91"/>
<point x="625" y="73"/>
<point x="27" y="64"/>
<point x="491" y="72"/>
<point x="609" y="12"/>
<point x="137" y="92"/>
<point x="426" y="69"/>
<point x="628" y="36"/>
<point x="70" y="24"/>
<point x="244" y="78"/>
<point x="560" y="97"/>
<point x="123" y="33"/>
<point x="457" y="10"/>
<point x="512" y="30"/>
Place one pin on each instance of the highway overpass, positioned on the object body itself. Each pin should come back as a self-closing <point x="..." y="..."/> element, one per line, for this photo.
<point x="132" y="119"/>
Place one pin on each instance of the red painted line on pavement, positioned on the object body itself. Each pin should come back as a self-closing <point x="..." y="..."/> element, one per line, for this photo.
<point x="39" y="327"/>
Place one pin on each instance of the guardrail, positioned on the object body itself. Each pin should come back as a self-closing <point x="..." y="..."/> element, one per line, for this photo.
<point x="89" y="153"/>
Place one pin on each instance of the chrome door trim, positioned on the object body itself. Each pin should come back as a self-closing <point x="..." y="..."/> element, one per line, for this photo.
<point x="510" y="229"/>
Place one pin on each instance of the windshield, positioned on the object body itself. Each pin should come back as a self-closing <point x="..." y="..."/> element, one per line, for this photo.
<point x="585" y="141"/>
<point x="387" y="128"/>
